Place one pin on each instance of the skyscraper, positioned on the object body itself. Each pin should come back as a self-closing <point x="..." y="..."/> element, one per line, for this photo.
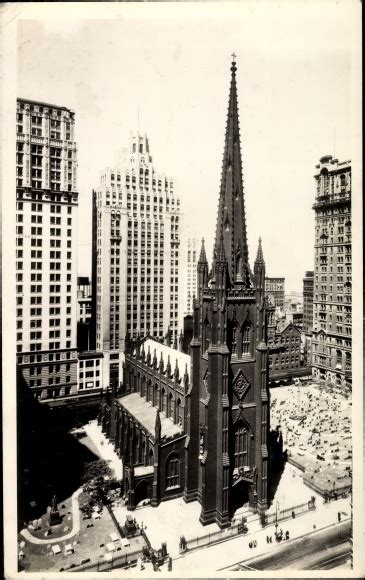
<point x="46" y="248"/>
<point x="228" y="404"/>
<point x="136" y="254"/>
<point x="190" y="264"/>
<point x="331" y="339"/>
<point x="308" y="285"/>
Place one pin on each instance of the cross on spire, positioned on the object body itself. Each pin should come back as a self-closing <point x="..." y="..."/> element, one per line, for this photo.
<point x="234" y="56"/>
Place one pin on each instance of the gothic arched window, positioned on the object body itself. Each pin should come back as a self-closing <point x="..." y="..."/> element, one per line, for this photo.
<point x="207" y="333"/>
<point x="241" y="442"/>
<point x="150" y="457"/>
<point x="234" y="339"/>
<point x="246" y="336"/>
<point x="172" y="471"/>
<point x="163" y="401"/>
<point x="155" y="396"/>
<point x="178" y="417"/>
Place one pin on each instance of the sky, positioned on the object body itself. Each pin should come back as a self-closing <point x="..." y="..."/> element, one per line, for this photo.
<point x="165" y="70"/>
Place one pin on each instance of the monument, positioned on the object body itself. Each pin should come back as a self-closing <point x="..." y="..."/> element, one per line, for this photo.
<point x="54" y="514"/>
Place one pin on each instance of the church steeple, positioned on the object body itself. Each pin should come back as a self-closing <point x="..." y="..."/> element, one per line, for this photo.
<point x="259" y="268"/>
<point x="231" y="223"/>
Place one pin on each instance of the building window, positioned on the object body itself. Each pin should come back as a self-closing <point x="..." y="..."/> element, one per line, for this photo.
<point x="173" y="471"/>
<point x="241" y="447"/>
<point x="246" y="339"/>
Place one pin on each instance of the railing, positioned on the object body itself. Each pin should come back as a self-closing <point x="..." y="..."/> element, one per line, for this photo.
<point x="291" y="512"/>
<point x="125" y="560"/>
<point x="236" y="528"/>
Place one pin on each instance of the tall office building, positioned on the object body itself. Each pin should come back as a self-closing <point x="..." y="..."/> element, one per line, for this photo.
<point x="46" y="248"/>
<point x="190" y="264"/>
<point x="136" y="235"/>
<point x="275" y="287"/>
<point x="331" y="339"/>
<point x="308" y="285"/>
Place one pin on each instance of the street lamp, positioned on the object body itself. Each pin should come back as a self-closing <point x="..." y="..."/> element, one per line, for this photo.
<point x="276" y="518"/>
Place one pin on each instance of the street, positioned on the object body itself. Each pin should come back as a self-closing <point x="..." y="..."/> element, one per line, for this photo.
<point x="324" y="549"/>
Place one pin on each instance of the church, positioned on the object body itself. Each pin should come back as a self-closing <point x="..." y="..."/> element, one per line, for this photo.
<point x="197" y="426"/>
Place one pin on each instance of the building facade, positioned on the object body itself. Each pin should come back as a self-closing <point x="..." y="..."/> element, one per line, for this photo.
<point x="308" y="286"/>
<point x="275" y="287"/>
<point x="331" y="338"/>
<point x="148" y="423"/>
<point x="200" y="428"/>
<point x="83" y="300"/>
<point x="90" y="371"/>
<point x="190" y="263"/>
<point x="46" y="248"/>
<point x="285" y="357"/>
<point x="136" y="228"/>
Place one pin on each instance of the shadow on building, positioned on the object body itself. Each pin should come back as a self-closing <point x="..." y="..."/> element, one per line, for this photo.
<point x="50" y="460"/>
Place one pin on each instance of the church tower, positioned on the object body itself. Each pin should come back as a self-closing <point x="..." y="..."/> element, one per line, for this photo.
<point x="228" y="403"/>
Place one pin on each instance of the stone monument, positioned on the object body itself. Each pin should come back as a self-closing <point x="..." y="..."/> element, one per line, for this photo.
<point x="54" y="514"/>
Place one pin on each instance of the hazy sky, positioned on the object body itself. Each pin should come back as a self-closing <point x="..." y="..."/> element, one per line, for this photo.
<point x="294" y="77"/>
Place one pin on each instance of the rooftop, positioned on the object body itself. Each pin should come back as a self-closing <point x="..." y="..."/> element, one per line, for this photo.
<point x="43" y="104"/>
<point x="145" y="414"/>
<point x="183" y="360"/>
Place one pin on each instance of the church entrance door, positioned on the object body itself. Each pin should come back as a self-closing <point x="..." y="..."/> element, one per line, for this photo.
<point x="141" y="492"/>
<point x="239" y="495"/>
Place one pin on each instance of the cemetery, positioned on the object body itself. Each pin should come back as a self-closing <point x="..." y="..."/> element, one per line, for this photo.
<point x="315" y="422"/>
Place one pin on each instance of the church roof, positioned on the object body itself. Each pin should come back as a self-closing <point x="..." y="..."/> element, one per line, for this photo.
<point x="145" y="414"/>
<point x="231" y="221"/>
<point x="183" y="360"/>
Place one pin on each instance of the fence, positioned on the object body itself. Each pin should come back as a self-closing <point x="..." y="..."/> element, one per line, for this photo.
<point x="235" y="529"/>
<point x="282" y="515"/>
<point x="219" y="535"/>
<point x="128" y="559"/>
<point x="114" y="520"/>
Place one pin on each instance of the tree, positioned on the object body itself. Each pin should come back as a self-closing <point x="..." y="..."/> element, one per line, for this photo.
<point x="98" y="480"/>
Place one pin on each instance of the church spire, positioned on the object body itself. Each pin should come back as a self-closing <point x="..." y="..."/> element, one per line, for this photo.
<point x="260" y="255"/>
<point x="231" y="224"/>
<point x="203" y="256"/>
<point x="259" y="268"/>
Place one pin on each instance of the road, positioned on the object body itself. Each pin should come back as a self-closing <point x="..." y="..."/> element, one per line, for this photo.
<point x="321" y="550"/>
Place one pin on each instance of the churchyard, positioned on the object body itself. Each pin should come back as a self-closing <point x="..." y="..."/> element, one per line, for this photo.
<point x="75" y="538"/>
<point x="315" y="422"/>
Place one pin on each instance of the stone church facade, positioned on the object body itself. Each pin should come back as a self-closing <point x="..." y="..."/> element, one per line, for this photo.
<point x="199" y="427"/>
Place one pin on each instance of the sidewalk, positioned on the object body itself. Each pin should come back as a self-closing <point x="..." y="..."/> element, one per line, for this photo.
<point x="75" y="528"/>
<point x="104" y="447"/>
<point x="228" y="553"/>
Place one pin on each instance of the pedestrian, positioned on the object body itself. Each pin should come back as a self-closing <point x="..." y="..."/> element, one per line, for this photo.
<point x="267" y="539"/>
<point x="293" y="514"/>
<point x="250" y="544"/>
<point x="339" y="516"/>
